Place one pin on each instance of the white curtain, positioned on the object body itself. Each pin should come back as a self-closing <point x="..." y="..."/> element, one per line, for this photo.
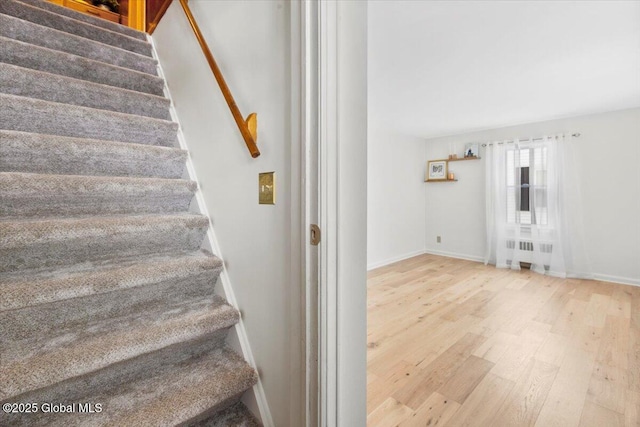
<point x="533" y="207"/>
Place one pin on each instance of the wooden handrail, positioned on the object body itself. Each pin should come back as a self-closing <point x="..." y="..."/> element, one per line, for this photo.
<point x="249" y="127"/>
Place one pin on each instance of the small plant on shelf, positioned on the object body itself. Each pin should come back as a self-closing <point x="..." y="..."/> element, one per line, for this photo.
<point x="112" y="5"/>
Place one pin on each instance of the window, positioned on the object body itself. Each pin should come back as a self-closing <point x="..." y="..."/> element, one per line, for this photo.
<point x="526" y="176"/>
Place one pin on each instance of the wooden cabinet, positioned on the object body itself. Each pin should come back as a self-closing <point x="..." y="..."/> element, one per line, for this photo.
<point x="131" y="12"/>
<point x="89" y="9"/>
<point x="124" y="12"/>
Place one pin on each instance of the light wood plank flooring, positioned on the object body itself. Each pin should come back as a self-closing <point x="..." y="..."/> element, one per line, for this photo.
<point x="457" y="343"/>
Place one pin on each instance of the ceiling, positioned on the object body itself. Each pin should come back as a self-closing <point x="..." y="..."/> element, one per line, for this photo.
<point x="449" y="67"/>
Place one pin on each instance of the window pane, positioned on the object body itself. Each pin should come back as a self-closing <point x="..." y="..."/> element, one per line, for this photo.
<point x="539" y="176"/>
<point x="524" y="157"/>
<point x="541" y="216"/>
<point x="540" y="197"/>
<point x="524" y="198"/>
<point x="510" y="173"/>
<point x="524" y="189"/>
<point x="540" y="204"/>
<point x="524" y="175"/>
<point x="511" y="205"/>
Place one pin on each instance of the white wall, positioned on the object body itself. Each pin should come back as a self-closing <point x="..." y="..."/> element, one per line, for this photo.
<point x="251" y="43"/>
<point x="396" y="203"/>
<point x="395" y="161"/>
<point x="609" y="164"/>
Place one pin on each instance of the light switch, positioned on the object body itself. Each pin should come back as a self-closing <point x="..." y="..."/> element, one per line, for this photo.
<point x="267" y="188"/>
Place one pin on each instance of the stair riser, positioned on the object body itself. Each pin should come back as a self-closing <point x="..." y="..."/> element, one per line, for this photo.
<point x="86" y="18"/>
<point x="28" y="32"/>
<point x="46" y="86"/>
<point x="36" y="153"/>
<point x="117" y="376"/>
<point x="201" y="419"/>
<point x="69" y="25"/>
<point x="236" y="415"/>
<point x="56" y="244"/>
<point x="30" y="115"/>
<point x="55" y="62"/>
<point x="39" y="322"/>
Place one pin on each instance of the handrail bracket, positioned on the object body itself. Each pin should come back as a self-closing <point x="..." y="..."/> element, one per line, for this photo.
<point x="252" y="124"/>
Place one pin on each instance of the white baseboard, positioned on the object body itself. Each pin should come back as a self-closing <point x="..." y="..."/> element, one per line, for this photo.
<point x="393" y="259"/>
<point x="616" y="279"/>
<point x="455" y="255"/>
<point x="258" y="389"/>
<point x="596" y="276"/>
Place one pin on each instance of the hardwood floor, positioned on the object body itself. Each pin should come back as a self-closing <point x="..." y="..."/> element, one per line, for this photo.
<point x="457" y="343"/>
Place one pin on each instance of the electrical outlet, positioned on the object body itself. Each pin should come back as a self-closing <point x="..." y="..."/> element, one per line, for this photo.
<point x="438" y="239"/>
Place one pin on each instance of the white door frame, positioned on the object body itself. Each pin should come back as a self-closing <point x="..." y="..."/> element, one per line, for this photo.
<point x="332" y="125"/>
<point x="327" y="200"/>
<point x="304" y="185"/>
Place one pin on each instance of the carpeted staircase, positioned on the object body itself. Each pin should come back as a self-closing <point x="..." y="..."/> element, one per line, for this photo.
<point x="106" y="296"/>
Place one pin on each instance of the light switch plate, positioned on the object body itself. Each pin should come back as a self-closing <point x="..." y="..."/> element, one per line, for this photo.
<point x="267" y="188"/>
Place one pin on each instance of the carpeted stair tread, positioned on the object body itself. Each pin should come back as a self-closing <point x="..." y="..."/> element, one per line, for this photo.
<point x="44" y="243"/>
<point x="22" y="334"/>
<point x="21" y="81"/>
<point x="26" y="195"/>
<point x="34" y="115"/>
<point x="65" y="64"/>
<point x="34" y="34"/>
<point x="42" y="4"/>
<point x="31" y="363"/>
<point x="53" y="154"/>
<point x="70" y="25"/>
<point x="217" y="381"/>
<point x="165" y="388"/>
<point x="32" y="326"/>
<point x="89" y="279"/>
<point x="39" y="327"/>
<point x="237" y="415"/>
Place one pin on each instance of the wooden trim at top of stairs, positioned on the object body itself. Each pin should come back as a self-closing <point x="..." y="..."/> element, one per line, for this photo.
<point x="156" y="19"/>
<point x="137" y="15"/>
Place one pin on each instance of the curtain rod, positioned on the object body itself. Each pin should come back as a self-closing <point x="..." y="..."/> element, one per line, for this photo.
<point x="575" y="135"/>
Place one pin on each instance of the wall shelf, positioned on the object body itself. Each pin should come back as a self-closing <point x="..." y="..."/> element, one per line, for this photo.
<point x="446" y="161"/>
<point x="458" y="159"/>
<point x="464" y="158"/>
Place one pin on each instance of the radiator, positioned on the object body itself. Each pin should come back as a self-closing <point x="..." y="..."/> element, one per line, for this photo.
<point x="526" y="249"/>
